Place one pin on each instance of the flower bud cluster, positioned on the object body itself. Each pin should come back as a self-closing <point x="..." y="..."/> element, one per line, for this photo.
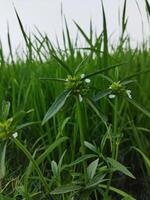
<point x="78" y="84"/>
<point x="118" y="89"/>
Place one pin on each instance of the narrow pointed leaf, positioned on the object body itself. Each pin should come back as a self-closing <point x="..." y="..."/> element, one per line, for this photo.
<point x="66" y="189"/>
<point x="119" y="167"/>
<point x="91" y="170"/>
<point x="56" y="106"/>
<point x="103" y="70"/>
<point x="79" y="160"/>
<point x="118" y="191"/>
<point x="101" y="94"/>
<point x="90" y="146"/>
<point x="2" y="160"/>
<point x="96" y="110"/>
<point x="140" y="107"/>
<point x="62" y="64"/>
<point x="146" y="159"/>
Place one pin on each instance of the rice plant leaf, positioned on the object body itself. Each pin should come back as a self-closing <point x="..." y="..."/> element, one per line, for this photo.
<point x="2" y="197"/>
<point x="140" y="107"/>
<point x="103" y="70"/>
<point x="84" y="35"/>
<point x="118" y="191"/>
<point x="146" y="159"/>
<point x="31" y="159"/>
<point x="56" y="106"/>
<point x="96" y="110"/>
<point x="124" y="20"/>
<point x="147" y="8"/>
<point x="80" y="64"/>
<point x="49" y="149"/>
<point x="26" y="125"/>
<point x="62" y="64"/>
<point x="2" y="160"/>
<point x="135" y="74"/>
<point x="105" y="34"/>
<point x="91" y="169"/>
<point x="22" y="28"/>
<point x="66" y="189"/>
<point x="5" y="109"/>
<point x="69" y="40"/>
<point x="53" y="79"/>
<point x="119" y="167"/>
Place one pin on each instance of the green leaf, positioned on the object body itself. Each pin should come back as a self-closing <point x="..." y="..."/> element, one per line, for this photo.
<point x="140" y="107"/>
<point x="119" y="167"/>
<point x="35" y="164"/>
<point x="62" y="64"/>
<point x="53" y="79"/>
<point x="84" y="35"/>
<point x="118" y="191"/>
<point x="2" y="160"/>
<point x="147" y="7"/>
<point x="103" y="70"/>
<point x="2" y="197"/>
<point x="50" y="149"/>
<point x="5" y="109"/>
<point x="96" y="110"/>
<point x="56" y="106"/>
<point x="105" y="34"/>
<point x="95" y="181"/>
<point x="90" y="146"/>
<point x="79" y="160"/>
<point x="146" y="159"/>
<point x="26" y="125"/>
<point x="91" y="169"/>
<point x="54" y="168"/>
<point x="66" y="189"/>
<point x="101" y="94"/>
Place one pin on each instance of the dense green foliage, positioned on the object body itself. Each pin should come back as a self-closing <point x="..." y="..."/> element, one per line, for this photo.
<point x="88" y="134"/>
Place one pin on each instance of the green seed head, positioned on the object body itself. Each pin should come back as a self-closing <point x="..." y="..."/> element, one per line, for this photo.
<point x="77" y="84"/>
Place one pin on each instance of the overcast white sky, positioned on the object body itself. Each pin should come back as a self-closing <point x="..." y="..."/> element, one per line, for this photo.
<point x="46" y="15"/>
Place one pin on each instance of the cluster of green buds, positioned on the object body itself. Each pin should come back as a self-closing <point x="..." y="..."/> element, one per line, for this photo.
<point x="6" y="129"/>
<point x="78" y="84"/>
<point x="118" y="89"/>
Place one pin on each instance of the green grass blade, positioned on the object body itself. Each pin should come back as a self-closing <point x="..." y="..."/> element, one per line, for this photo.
<point x="36" y="167"/>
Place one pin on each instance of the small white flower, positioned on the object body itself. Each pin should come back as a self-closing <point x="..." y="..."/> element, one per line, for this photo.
<point x="80" y="98"/>
<point x="82" y="75"/>
<point x="15" y="135"/>
<point x="112" y="96"/>
<point x="128" y="92"/>
<point x="87" y="80"/>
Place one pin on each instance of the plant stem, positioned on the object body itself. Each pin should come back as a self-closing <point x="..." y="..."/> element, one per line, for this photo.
<point x="115" y="145"/>
<point x="81" y="123"/>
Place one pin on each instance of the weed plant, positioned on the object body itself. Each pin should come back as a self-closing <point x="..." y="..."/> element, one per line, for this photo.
<point x="88" y="135"/>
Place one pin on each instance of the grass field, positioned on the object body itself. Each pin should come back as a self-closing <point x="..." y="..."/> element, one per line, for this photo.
<point x="74" y="122"/>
